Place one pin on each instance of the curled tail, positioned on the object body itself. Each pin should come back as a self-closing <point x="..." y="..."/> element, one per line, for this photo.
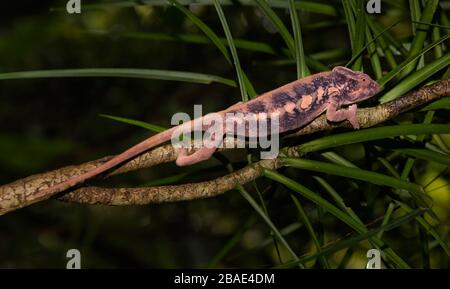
<point x="126" y="155"/>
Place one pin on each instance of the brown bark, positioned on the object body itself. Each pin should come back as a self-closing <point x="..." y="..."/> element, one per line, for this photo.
<point x="25" y="191"/>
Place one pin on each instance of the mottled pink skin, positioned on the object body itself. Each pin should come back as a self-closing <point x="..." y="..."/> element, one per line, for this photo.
<point x="301" y="101"/>
<point x="298" y="103"/>
<point x="320" y="92"/>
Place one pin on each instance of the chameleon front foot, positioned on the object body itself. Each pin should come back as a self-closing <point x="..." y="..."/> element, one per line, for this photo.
<point x="343" y="114"/>
<point x="351" y="117"/>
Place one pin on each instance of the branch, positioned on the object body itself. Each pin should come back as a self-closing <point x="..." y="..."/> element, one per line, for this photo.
<point x="25" y="191"/>
<point x="172" y="193"/>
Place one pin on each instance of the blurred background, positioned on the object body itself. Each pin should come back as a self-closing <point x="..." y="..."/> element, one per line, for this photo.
<point x="52" y="122"/>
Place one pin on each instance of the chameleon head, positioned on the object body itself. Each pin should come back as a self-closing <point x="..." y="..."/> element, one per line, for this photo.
<point x="355" y="86"/>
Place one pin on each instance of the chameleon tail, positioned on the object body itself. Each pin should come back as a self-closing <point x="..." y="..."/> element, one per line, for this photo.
<point x="126" y="155"/>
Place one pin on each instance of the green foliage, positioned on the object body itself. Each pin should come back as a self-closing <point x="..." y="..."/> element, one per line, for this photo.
<point x="146" y="125"/>
<point x="120" y="72"/>
<point x="349" y="192"/>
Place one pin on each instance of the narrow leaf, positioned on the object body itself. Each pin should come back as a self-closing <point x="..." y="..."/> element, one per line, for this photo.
<point x="146" y="125"/>
<point x="120" y="72"/>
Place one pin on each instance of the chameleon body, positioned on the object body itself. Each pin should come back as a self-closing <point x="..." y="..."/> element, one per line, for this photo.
<point x="297" y="103"/>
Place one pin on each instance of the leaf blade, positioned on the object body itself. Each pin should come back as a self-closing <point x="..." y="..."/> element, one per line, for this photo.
<point x="120" y="72"/>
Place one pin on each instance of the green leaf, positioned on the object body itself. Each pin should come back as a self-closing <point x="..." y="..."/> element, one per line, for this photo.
<point x="244" y="44"/>
<point x="357" y="30"/>
<point x="421" y="32"/>
<point x="371" y="134"/>
<point x="387" y="217"/>
<point x="302" y="68"/>
<point x="203" y="27"/>
<point x="315" y="64"/>
<point x="244" y="84"/>
<point x="391" y="39"/>
<point x="260" y="211"/>
<point x="231" y="243"/>
<point x="370" y="42"/>
<point x="350" y="19"/>
<point x="373" y="54"/>
<point x="388" y="54"/>
<point x="263" y="215"/>
<point x="314" y="7"/>
<point x="433" y="25"/>
<point x="443" y="103"/>
<point x="349" y="242"/>
<point x="354" y="173"/>
<point x="146" y="125"/>
<point x="120" y="72"/>
<point x="430" y="230"/>
<point x="360" y="228"/>
<point x="426" y="155"/>
<point x="237" y="65"/>
<point x="359" y="40"/>
<point x="389" y="167"/>
<point x="394" y="72"/>
<point x="286" y="231"/>
<point x="310" y="229"/>
<point x="416" y="12"/>
<point x="416" y="78"/>
<point x="337" y="159"/>
<point x="338" y="199"/>
<point x="279" y="25"/>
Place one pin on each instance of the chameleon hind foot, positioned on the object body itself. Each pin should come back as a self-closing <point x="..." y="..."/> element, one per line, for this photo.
<point x="203" y="153"/>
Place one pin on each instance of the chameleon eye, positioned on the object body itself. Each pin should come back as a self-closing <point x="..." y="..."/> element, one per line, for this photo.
<point x="363" y="79"/>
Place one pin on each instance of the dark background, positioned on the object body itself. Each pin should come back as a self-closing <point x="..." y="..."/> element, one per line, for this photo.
<point x="49" y="123"/>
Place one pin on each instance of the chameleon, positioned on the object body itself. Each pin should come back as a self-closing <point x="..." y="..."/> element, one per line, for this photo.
<point x="297" y="104"/>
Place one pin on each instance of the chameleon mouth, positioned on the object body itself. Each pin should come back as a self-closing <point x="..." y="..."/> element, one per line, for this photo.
<point x="374" y="87"/>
